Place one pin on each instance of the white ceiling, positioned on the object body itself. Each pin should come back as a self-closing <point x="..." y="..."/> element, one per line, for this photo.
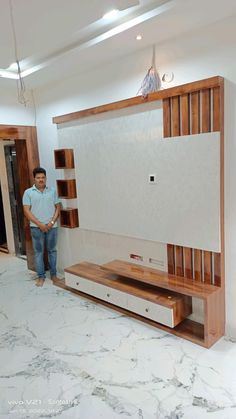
<point x="58" y="38"/>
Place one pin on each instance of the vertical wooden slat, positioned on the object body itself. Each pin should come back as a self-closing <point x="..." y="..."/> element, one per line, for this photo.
<point x="166" y="117"/>
<point x="206" y="127"/>
<point x="207" y="267"/>
<point x="175" y="131"/>
<point x="185" y="130"/>
<point x="195" y="112"/>
<point x="179" y="262"/>
<point x="216" y="109"/>
<point x="171" y="258"/>
<point x="216" y="127"/>
<point x="188" y="264"/>
<point x="167" y="133"/>
<point x="206" y="110"/>
<point x="197" y="265"/>
<point x="175" y="116"/>
<point x="217" y="269"/>
<point x="185" y="114"/>
<point x="195" y="129"/>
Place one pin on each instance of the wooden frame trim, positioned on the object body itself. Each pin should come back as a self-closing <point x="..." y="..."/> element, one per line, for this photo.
<point x="29" y="135"/>
<point x="139" y="100"/>
<point x="25" y="138"/>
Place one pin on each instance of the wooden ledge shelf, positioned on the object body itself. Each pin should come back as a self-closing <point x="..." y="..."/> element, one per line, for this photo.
<point x="139" y="100"/>
<point x="96" y="274"/>
<point x="66" y="188"/>
<point x="69" y="217"/>
<point x="161" y="279"/>
<point x="64" y="158"/>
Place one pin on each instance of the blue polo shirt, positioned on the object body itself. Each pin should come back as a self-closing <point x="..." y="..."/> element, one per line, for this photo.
<point x="42" y="204"/>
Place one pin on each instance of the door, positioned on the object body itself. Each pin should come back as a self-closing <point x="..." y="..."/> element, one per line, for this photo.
<point x="3" y="237"/>
<point x="15" y="199"/>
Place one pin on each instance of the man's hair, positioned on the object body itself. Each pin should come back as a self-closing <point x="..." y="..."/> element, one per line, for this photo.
<point x="39" y="170"/>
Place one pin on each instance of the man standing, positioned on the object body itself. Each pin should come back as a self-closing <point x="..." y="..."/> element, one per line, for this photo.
<point x="42" y="208"/>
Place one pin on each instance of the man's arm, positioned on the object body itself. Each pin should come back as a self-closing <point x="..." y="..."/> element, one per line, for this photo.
<point x="55" y="216"/>
<point x="30" y="216"/>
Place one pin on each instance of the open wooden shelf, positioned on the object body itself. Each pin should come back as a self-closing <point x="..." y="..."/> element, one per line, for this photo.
<point x="64" y="158"/>
<point x="66" y="188"/>
<point x="69" y="218"/>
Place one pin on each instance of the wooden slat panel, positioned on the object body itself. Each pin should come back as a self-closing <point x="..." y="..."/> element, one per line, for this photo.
<point x="197" y="265"/>
<point x="188" y="263"/>
<point x="216" y="109"/>
<point x="206" y="110"/>
<point x="171" y="258"/>
<point x="166" y="118"/>
<point x="195" y="113"/>
<point x="217" y="269"/>
<point x="179" y="261"/>
<point x="175" y="116"/>
<point x="185" y="114"/>
<point x="207" y="267"/>
<point x="138" y="100"/>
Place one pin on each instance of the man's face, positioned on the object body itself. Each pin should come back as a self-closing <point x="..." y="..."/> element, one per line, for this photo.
<point x="40" y="181"/>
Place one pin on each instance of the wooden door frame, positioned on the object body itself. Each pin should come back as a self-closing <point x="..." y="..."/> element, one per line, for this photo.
<point x="26" y="142"/>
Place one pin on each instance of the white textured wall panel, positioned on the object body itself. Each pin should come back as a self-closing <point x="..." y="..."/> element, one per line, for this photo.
<point x="114" y="159"/>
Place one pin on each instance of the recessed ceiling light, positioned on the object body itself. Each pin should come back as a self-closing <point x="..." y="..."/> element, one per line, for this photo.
<point x="110" y="15"/>
<point x="139" y="37"/>
<point x="13" y="66"/>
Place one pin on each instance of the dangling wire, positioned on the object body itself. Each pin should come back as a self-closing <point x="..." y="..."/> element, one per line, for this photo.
<point x="20" y="82"/>
<point x="152" y="81"/>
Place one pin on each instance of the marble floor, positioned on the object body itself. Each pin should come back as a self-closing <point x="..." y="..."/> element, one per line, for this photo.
<point x="62" y="356"/>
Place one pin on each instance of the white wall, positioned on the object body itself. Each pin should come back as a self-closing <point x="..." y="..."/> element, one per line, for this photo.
<point x="11" y="111"/>
<point x="191" y="58"/>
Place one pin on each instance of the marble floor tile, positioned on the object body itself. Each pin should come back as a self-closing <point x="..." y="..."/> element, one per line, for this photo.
<point x="62" y="356"/>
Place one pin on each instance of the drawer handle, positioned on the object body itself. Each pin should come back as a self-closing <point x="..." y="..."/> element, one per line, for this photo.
<point x="108" y="295"/>
<point x="147" y="310"/>
<point x="77" y="283"/>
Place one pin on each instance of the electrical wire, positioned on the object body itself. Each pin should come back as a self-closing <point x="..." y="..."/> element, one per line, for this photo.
<point x="152" y="81"/>
<point x="21" y="90"/>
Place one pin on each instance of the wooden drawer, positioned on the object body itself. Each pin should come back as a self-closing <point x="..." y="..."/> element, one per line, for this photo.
<point x="78" y="283"/>
<point x="156" y="312"/>
<point x="110" y="295"/>
<point x="95" y="289"/>
<point x="164" y="307"/>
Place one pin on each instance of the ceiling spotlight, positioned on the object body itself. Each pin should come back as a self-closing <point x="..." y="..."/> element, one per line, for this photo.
<point x="111" y="15"/>
<point x="139" y="37"/>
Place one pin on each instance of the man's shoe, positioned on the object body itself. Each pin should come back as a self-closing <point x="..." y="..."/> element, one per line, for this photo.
<point x="39" y="282"/>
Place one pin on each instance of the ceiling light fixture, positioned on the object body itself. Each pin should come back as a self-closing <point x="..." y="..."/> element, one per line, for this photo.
<point x="111" y="14"/>
<point x="139" y="37"/>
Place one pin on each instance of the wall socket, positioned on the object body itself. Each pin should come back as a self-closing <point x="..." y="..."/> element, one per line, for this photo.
<point x="152" y="178"/>
<point x="136" y="257"/>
